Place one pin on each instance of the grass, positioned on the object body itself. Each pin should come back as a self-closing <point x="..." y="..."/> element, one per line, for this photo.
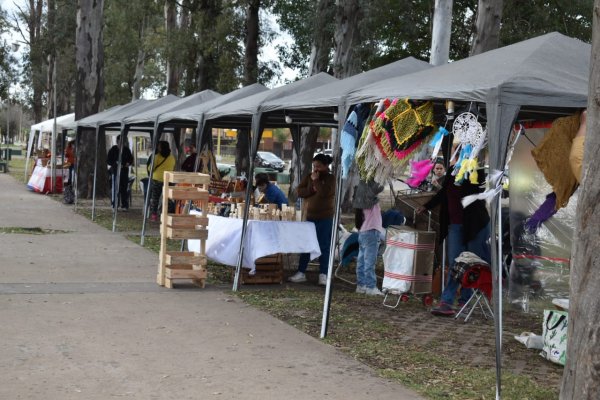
<point x="375" y="341"/>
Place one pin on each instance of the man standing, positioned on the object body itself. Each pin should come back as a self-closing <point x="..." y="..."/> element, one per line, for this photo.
<point x="112" y="159"/>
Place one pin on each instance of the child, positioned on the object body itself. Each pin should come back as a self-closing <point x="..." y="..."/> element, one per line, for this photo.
<point x="368" y="222"/>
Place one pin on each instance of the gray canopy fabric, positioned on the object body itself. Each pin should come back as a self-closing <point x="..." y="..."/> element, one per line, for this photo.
<point x="242" y="111"/>
<point x="196" y="112"/>
<point x="194" y="100"/>
<point x="546" y="72"/>
<point x="94" y="120"/>
<point x="116" y="119"/>
<point x="549" y="70"/>
<point x="335" y="93"/>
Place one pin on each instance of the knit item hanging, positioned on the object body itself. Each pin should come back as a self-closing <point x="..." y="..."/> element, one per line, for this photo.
<point x="401" y="126"/>
<point x="351" y="134"/>
<point x="372" y="161"/>
<point x="396" y="131"/>
<point x="552" y="157"/>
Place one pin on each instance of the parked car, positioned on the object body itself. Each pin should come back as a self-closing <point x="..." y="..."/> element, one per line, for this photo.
<point x="269" y="160"/>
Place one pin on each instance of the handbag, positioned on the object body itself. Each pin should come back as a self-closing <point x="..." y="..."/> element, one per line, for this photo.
<point x="556" y="324"/>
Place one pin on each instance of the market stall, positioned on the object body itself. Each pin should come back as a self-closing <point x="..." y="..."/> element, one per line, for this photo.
<point x="538" y="79"/>
<point x="263" y="238"/>
<point x="41" y="177"/>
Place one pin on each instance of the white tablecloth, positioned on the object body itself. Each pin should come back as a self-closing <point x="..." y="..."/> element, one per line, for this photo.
<point x="262" y="239"/>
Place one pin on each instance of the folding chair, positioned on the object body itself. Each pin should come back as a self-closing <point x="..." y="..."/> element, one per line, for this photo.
<point x="479" y="278"/>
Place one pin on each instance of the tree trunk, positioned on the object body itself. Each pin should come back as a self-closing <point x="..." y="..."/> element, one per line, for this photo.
<point x="251" y="43"/>
<point x="580" y="376"/>
<point x="242" y="153"/>
<point x="171" y="29"/>
<point x="321" y="47"/>
<point x="34" y="25"/>
<point x="139" y="64"/>
<point x="51" y="29"/>
<point x="345" y="64"/>
<point x="305" y="142"/>
<point x="487" y="27"/>
<point x="89" y="90"/>
<point x="322" y="43"/>
<point x="347" y="38"/>
<point x="441" y="32"/>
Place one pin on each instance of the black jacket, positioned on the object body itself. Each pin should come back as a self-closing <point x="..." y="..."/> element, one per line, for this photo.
<point x="112" y="158"/>
<point x="475" y="215"/>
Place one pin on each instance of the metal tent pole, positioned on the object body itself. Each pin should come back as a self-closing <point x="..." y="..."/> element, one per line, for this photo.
<point x="342" y="110"/>
<point x="255" y="138"/>
<point x="154" y="142"/>
<point x="95" y="175"/>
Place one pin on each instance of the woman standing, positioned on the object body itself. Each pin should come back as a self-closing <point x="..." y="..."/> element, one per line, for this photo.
<point x="318" y="191"/>
<point x="163" y="161"/>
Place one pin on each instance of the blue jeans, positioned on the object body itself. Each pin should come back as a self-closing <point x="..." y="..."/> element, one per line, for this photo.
<point x="323" y="228"/>
<point x="455" y="247"/>
<point x="368" y="249"/>
<point x="478" y="245"/>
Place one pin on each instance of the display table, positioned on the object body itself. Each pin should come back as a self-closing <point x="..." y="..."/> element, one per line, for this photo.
<point x="263" y="238"/>
<point x="41" y="179"/>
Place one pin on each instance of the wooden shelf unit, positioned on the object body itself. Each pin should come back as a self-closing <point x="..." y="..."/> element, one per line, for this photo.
<point x="183" y="264"/>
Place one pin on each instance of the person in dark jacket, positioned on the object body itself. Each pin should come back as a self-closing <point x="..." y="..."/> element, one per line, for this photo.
<point x="466" y="229"/>
<point x="318" y="191"/>
<point x="272" y="193"/>
<point x="112" y="159"/>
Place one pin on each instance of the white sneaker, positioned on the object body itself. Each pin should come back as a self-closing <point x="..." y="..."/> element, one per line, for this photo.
<point x="298" y="277"/>
<point x="373" y="291"/>
<point x="361" y="289"/>
<point x="322" y="279"/>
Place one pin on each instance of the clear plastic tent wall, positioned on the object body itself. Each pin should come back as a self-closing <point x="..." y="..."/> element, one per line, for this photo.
<point x="539" y="272"/>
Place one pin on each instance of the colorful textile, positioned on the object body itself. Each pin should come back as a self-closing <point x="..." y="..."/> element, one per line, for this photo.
<point x="396" y="131"/>
<point x="552" y="157"/>
<point x="542" y="214"/>
<point x="351" y="134"/>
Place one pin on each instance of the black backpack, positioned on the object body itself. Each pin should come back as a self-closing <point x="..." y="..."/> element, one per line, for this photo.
<point x="68" y="195"/>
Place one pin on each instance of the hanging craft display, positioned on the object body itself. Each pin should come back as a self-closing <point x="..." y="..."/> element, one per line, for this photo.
<point x="420" y="170"/>
<point x="351" y="134"/>
<point x="471" y="137"/>
<point x="397" y="130"/>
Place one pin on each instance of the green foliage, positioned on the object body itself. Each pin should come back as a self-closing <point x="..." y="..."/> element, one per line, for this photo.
<point x="131" y="26"/>
<point x="281" y="134"/>
<point x="7" y="60"/>
<point x="526" y="19"/>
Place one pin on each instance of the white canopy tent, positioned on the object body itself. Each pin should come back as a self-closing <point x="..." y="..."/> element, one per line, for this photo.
<point x="47" y="126"/>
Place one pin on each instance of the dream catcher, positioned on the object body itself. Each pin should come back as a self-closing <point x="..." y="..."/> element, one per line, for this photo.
<point x="471" y="137"/>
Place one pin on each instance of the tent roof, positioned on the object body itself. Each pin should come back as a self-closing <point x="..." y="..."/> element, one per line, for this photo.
<point x="91" y="121"/>
<point x="550" y="70"/>
<point x="120" y="115"/>
<point x="61" y="122"/>
<point x="149" y="116"/>
<point x="241" y="111"/>
<point x="195" y="112"/>
<point x="335" y="93"/>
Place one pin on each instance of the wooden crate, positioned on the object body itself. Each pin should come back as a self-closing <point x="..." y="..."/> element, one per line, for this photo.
<point x="192" y="178"/>
<point x="201" y="234"/>
<point x="185" y="271"/>
<point x="185" y="257"/>
<point x="269" y="269"/>
<point x="186" y="221"/>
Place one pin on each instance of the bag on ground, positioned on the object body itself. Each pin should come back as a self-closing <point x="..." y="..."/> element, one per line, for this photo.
<point x="555" y="328"/>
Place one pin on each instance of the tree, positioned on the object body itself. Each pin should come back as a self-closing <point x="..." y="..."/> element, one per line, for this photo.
<point x="89" y="91"/>
<point x="305" y="140"/>
<point x="251" y="42"/>
<point x="487" y="27"/>
<point x="171" y="30"/>
<point x="7" y="60"/>
<point x="580" y="376"/>
<point x="31" y="16"/>
<point x="440" y="35"/>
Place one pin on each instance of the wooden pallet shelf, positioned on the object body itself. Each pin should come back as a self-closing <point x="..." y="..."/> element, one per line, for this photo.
<point x="183" y="264"/>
